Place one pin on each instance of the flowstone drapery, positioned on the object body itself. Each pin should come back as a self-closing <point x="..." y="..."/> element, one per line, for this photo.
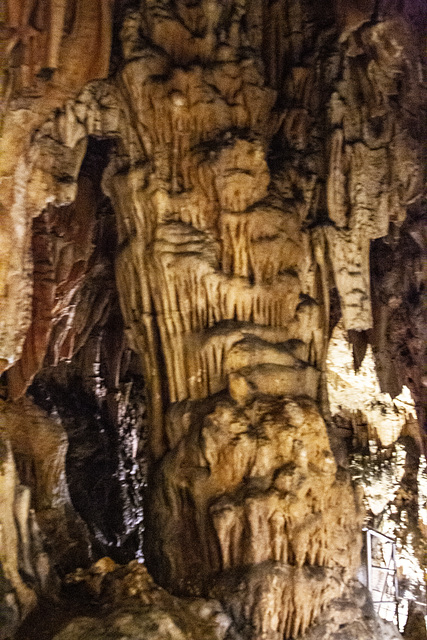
<point x="243" y="186"/>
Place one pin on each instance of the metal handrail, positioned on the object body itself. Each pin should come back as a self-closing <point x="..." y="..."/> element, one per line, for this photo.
<point x="398" y="600"/>
<point x="378" y="534"/>
<point x="390" y="570"/>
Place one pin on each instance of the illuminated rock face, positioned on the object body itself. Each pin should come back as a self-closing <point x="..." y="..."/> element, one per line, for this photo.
<point x="256" y="150"/>
<point x="251" y="494"/>
<point x="42" y="66"/>
<point x="219" y="294"/>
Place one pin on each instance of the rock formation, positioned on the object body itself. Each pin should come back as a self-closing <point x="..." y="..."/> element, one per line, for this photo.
<point x="245" y="166"/>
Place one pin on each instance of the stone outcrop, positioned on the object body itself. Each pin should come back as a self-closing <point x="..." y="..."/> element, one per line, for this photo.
<point x="245" y="166"/>
<point x="256" y="483"/>
<point x="39" y="446"/>
<point x="17" y="598"/>
<point x="42" y="65"/>
<point x="134" y="605"/>
<point x="137" y="606"/>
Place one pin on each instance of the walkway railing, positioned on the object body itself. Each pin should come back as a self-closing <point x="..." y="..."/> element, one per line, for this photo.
<point x="381" y="574"/>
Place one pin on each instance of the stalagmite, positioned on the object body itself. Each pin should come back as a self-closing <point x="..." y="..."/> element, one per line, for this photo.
<point x="22" y="510"/>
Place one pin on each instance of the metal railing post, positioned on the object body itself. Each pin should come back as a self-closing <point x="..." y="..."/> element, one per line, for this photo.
<point x="396" y="583"/>
<point x="368" y="560"/>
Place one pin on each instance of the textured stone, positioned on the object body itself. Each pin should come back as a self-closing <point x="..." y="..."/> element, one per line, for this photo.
<point x="17" y="599"/>
<point x="136" y="607"/>
<point x="38" y="448"/>
<point x="255" y="152"/>
<point x="44" y="69"/>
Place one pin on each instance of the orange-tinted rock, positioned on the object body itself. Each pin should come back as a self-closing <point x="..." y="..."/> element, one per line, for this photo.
<point x="259" y="149"/>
